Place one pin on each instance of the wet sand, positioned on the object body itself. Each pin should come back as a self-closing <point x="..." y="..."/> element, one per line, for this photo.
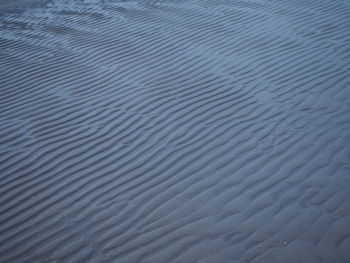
<point x="175" y="131"/>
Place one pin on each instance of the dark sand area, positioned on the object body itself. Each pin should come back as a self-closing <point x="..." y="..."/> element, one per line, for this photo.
<point x="20" y="4"/>
<point x="175" y="131"/>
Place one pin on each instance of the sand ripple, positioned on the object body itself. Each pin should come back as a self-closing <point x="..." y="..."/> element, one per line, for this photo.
<point x="175" y="131"/>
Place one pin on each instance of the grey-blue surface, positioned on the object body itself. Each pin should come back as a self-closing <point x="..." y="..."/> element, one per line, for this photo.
<point x="175" y="131"/>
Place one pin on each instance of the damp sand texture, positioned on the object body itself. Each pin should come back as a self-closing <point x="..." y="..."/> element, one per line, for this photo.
<point x="188" y="131"/>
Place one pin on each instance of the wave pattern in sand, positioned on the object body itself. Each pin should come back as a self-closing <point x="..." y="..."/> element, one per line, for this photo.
<point x="175" y="131"/>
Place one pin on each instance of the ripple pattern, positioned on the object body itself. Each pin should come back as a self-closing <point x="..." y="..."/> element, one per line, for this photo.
<point x="175" y="131"/>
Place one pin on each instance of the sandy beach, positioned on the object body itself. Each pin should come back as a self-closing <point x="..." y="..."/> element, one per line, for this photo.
<point x="188" y="131"/>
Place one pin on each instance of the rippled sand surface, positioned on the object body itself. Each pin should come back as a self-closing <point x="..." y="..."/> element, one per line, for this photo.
<point x="189" y="131"/>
